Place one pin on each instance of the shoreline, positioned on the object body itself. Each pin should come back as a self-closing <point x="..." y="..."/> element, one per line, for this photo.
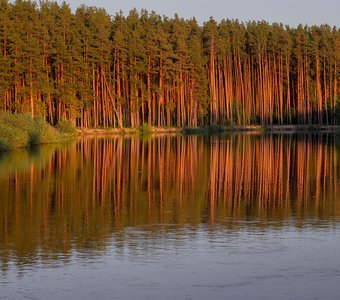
<point x="211" y="129"/>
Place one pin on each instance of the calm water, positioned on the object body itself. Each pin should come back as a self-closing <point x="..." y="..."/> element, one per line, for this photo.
<point x="197" y="217"/>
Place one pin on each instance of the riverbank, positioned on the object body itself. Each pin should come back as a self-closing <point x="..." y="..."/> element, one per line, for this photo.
<point x="20" y="130"/>
<point x="301" y="128"/>
<point x="210" y="129"/>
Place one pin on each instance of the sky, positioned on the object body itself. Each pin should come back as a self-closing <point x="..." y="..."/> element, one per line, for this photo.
<point x="290" y="12"/>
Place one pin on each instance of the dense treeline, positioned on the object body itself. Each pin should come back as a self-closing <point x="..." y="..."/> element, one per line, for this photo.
<point x="99" y="70"/>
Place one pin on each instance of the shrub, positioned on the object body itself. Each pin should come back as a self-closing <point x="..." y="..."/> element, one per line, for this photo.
<point x="216" y="128"/>
<point x="43" y="133"/>
<point x="66" y="127"/>
<point x="20" y="130"/>
<point x="145" y="128"/>
<point x="194" y="130"/>
<point x="12" y="137"/>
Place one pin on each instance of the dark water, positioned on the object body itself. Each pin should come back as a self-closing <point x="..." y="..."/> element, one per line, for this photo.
<point x="197" y="217"/>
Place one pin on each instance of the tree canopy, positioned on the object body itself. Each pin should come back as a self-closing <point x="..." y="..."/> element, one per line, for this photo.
<point x="122" y="71"/>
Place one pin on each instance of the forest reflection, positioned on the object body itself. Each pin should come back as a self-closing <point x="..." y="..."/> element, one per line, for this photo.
<point x="137" y="190"/>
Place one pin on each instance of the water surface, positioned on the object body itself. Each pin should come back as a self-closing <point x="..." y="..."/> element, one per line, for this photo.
<point x="172" y="217"/>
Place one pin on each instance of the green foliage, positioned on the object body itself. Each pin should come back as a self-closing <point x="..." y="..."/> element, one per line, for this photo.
<point x="20" y="130"/>
<point x="216" y="128"/>
<point x="12" y="137"/>
<point x="66" y="126"/>
<point x="42" y="133"/>
<point x="195" y="130"/>
<point x="113" y="71"/>
<point x="145" y="129"/>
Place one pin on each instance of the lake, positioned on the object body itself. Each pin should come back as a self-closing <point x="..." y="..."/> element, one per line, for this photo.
<point x="231" y="216"/>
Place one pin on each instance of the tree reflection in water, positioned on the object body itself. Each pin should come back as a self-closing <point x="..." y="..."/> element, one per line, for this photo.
<point x="86" y="195"/>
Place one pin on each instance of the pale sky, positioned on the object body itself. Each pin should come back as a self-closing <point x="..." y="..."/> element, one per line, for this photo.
<point x="291" y="12"/>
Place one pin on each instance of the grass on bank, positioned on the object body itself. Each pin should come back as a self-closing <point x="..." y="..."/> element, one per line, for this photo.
<point x="145" y="129"/>
<point x="20" y="130"/>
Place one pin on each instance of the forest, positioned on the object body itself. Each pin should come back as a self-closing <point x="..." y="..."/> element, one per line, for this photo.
<point x="99" y="70"/>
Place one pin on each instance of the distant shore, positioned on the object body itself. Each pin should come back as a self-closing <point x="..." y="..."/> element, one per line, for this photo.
<point x="210" y="129"/>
